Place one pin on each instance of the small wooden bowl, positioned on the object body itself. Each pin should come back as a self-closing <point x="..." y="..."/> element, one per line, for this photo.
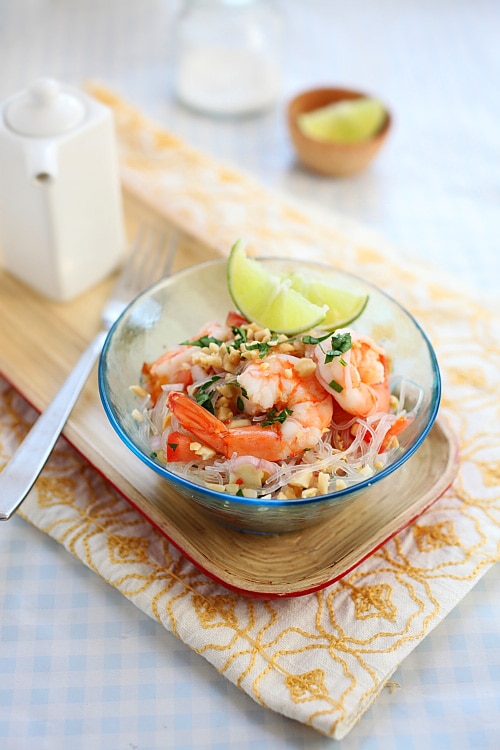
<point x="335" y="159"/>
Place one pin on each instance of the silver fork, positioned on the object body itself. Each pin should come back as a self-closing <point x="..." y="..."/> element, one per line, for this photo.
<point x="150" y="258"/>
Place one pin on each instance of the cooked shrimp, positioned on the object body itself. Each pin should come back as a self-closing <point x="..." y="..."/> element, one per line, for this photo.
<point x="296" y="409"/>
<point x="216" y="330"/>
<point x="175" y="366"/>
<point x="358" y="379"/>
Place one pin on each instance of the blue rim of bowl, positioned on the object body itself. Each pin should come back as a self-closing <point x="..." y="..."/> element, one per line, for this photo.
<point x="190" y="486"/>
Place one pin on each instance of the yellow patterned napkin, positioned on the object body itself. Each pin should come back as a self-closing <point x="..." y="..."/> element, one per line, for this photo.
<point x="323" y="658"/>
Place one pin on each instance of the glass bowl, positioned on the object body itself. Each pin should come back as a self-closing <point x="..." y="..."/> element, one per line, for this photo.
<point x="177" y="307"/>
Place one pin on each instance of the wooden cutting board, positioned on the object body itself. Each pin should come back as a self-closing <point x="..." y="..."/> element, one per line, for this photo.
<point x="39" y="343"/>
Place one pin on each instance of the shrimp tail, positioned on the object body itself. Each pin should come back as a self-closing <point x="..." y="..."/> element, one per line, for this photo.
<point x="252" y="440"/>
<point x="197" y="420"/>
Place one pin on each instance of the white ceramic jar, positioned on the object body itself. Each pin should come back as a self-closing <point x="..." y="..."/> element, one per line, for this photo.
<point x="61" y="219"/>
<point x="229" y="55"/>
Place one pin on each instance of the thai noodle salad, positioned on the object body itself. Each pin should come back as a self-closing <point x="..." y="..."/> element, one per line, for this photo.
<point x="249" y="412"/>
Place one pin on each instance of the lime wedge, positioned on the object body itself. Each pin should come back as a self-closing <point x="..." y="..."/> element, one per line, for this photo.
<point x="347" y="121"/>
<point x="268" y="299"/>
<point x="344" y="305"/>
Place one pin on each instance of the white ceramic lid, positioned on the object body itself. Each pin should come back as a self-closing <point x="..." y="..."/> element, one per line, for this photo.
<point x="45" y="109"/>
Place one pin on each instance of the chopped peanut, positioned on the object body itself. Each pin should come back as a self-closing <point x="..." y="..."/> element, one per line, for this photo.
<point x="240" y="422"/>
<point x="305" y="367"/>
<point x="263" y="335"/>
<point x="231" y="360"/>
<point x="323" y="480"/>
<point x="250" y="354"/>
<point x="285" y="348"/>
<point x="139" y="391"/>
<point x="207" y="360"/>
<point x="228" y="390"/>
<point x="203" y="451"/>
<point x="248" y="476"/>
<point x="302" y="479"/>
<point x="392" y="443"/>
<point x="311" y="492"/>
<point x="286" y="493"/>
<point x="224" y="413"/>
<point x="247" y="492"/>
<point x="214" y="486"/>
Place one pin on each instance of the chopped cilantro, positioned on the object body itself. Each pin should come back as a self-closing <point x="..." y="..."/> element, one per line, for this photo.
<point x="203" y="398"/>
<point x="315" y="340"/>
<point x="240" y="336"/>
<point x="203" y="341"/>
<point x="340" y="343"/>
<point x="336" y="386"/>
<point x="262" y="347"/>
<point x="273" y="416"/>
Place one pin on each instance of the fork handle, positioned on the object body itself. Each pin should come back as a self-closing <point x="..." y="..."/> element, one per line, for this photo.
<point x="25" y="466"/>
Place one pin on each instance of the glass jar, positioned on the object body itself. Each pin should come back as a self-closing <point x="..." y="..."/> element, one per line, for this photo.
<point x="228" y="55"/>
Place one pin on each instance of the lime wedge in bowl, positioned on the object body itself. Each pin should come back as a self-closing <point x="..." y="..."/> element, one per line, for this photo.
<point x="344" y="305"/>
<point x="345" y="121"/>
<point x="289" y="303"/>
<point x="267" y="298"/>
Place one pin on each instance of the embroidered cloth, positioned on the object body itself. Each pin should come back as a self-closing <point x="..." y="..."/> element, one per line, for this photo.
<point x="323" y="658"/>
